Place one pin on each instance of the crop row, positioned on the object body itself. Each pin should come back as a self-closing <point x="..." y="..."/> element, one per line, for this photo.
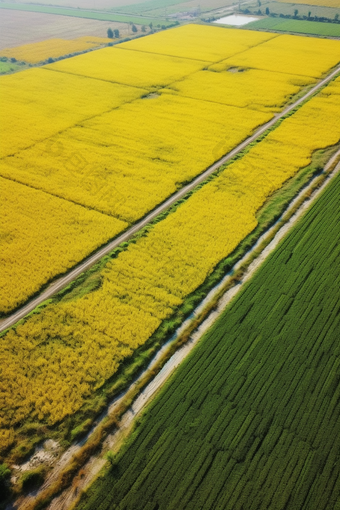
<point x="251" y="419"/>
<point x="60" y="356"/>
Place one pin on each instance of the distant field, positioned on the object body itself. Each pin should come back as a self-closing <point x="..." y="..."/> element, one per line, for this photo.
<point x="325" y="3"/>
<point x="289" y="8"/>
<point x="86" y="4"/>
<point x="52" y="48"/>
<point x="251" y="420"/>
<point x="81" y="13"/>
<point x="23" y="27"/>
<point x="311" y="56"/>
<point x="161" y="7"/>
<point x="301" y="27"/>
<point x="6" y="67"/>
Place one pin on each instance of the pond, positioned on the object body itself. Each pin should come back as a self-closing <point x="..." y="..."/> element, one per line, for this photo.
<point x="236" y="20"/>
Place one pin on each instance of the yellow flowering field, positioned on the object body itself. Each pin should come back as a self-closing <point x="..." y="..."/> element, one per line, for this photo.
<point x="54" y="361"/>
<point x="134" y="68"/>
<point x="34" y="53"/>
<point x="292" y="54"/>
<point x="133" y="157"/>
<point x="112" y="151"/>
<point x="42" y="236"/>
<point x="249" y="88"/>
<point x="200" y="42"/>
<point x="36" y="104"/>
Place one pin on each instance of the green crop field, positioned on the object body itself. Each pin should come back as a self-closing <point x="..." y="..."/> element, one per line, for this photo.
<point x="297" y="26"/>
<point x="7" y="67"/>
<point x="303" y="9"/>
<point x="251" y="419"/>
<point x="83" y="13"/>
<point x="160" y="7"/>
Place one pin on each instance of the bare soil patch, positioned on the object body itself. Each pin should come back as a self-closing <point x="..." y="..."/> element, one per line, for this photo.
<point x="86" y="4"/>
<point x="22" y="27"/>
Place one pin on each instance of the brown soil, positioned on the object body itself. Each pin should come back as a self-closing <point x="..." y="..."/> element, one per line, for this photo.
<point x="19" y="27"/>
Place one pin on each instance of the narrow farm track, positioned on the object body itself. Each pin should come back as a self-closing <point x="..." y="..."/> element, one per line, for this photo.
<point x="94" y="465"/>
<point x="65" y="280"/>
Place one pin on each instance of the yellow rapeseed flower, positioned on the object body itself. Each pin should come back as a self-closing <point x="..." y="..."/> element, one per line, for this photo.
<point x="42" y="236"/>
<point x="52" y="48"/>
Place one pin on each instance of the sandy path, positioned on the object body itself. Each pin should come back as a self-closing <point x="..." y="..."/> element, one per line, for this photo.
<point x="113" y="441"/>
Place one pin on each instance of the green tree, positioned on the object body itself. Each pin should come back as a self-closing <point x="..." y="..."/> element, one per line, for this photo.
<point x="110" y="33"/>
<point x="296" y="12"/>
<point x="110" y="456"/>
<point x="116" y="33"/>
<point x="134" y="29"/>
<point x="143" y="28"/>
<point x="267" y="11"/>
<point x="336" y="17"/>
<point x="5" y="473"/>
<point x="151" y="25"/>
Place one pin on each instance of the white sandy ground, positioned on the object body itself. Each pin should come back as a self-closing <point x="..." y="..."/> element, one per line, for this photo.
<point x="91" y="469"/>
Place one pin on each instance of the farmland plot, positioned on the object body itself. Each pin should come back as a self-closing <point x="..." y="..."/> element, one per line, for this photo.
<point x="33" y="97"/>
<point x="133" y="68"/>
<point x="44" y="235"/>
<point x="161" y="143"/>
<point x="34" y="53"/>
<point x="298" y="26"/>
<point x="20" y="27"/>
<point x="290" y="54"/>
<point x="245" y="88"/>
<point x="322" y="3"/>
<point x="199" y="42"/>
